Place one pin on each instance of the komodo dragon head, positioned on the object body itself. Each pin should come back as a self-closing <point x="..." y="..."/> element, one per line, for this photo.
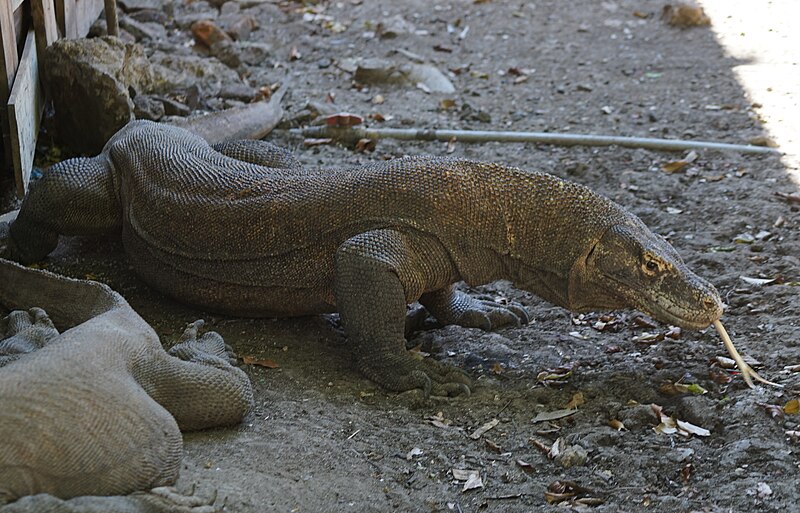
<point x="630" y="266"/>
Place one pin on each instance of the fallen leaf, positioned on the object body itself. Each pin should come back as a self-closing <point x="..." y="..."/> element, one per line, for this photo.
<point x="677" y="165"/>
<point x="757" y="281"/>
<point x="577" y="400"/>
<point x="451" y="147"/>
<point x="439" y="421"/>
<point x="491" y="446"/>
<point x="525" y="466"/>
<point x="294" y="54"/>
<point x="317" y="142"/>
<point x="416" y="451"/>
<point x="365" y="145"/>
<point x="617" y="424"/>
<point x="484" y="428"/>
<point x="447" y="103"/>
<point x="263" y="362"/>
<point x="792" y="407"/>
<point x="473" y="482"/>
<point x="343" y="119"/>
<point x="553" y="415"/>
<point x="775" y="411"/>
<point x="557" y="448"/>
<point x="669" y="425"/>
<point x="648" y="338"/>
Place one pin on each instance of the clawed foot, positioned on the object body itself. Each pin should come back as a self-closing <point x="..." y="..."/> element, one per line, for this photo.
<point x="23" y="332"/>
<point x="171" y="500"/>
<point x="400" y="372"/>
<point x="210" y="348"/>
<point x="486" y="314"/>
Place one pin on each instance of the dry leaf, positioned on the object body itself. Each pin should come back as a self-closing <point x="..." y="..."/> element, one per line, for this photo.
<point x="294" y="54"/>
<point x="491" y="446"/>
<point x="439" y="421"/>
<point x="451" y="147"/>
<point x="617" y="424"/>
<point x="263" y="362"/>
<point x="553" y="415"/>
<point x="792" y="407"/>
<point x="677" y="165"/>
<point x="365" y="145"/>
<point x="525" y="466"/>
<point x="577" y="400"/>
<point x="473" y="482"/>
<point x="416" y="451"/>
<point x="757" y="281"/>
<point x="484" y="428"/>
<point x="447" y="103"/>
<point x="343" y="119"/>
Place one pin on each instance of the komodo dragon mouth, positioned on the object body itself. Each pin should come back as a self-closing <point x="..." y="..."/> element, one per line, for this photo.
<point x="647" y="272"/>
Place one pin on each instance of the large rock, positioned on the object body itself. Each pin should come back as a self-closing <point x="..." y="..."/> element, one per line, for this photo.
<point x="89" y="82"/>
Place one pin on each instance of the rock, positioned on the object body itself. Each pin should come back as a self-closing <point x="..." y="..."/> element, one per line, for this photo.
<point x="638" y="417"/>
<point x="227" y="52"/>
<point x="143" y="31"/>
<point x="253" y="53"/>
<point x="174" y="71"/>
<point x="238" y="26"/>
<point x="572" y="456"/>
<point x="207" y="33"/>
<point x="147" y="107"/>
<point x="139" y="5"/>
<point x="88" y="81"/>
<point x="150" y="16"/>
<point x="174" y="107"/>
<point x="240" y="92"/>
<point x="394" y="27"/>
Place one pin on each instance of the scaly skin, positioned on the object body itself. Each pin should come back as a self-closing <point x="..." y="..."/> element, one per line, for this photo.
<point x="97" y="409"/>
<point x="246" y="231"/>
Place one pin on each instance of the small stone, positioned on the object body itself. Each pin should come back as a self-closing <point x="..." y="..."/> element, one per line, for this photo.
<point x="572" y="456"/>
<point x="150" y="16"/>
<point x="324" y="63"/>
<point x="174" y="108"/>
<point x="143" y="31"/>
<point x="147" y="107"/>
<point x="240" y="92"/>
<point x="254" y="53"/>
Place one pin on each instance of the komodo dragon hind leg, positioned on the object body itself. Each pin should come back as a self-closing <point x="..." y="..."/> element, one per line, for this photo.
<point x="451" y="306"/>
<point x="22" y="332"/>
<point x="158" y="500"/>
<point x="377" y="275"/>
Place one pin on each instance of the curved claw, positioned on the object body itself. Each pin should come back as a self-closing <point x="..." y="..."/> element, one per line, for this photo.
<point x="401" y="372"/>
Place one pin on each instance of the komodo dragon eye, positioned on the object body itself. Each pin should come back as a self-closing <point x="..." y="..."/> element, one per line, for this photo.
<point x="651" y="266"/>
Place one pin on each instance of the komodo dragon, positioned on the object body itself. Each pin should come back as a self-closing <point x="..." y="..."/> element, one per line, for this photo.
<point x="240" y="228"/>
<point x="97" y="409"/>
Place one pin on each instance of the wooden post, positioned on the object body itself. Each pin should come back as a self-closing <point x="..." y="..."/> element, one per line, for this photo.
<point x="25" y="113"/>
<point x="9" y="60"/>
<point x="112" y="23"/>
<point x="44" y="24"/>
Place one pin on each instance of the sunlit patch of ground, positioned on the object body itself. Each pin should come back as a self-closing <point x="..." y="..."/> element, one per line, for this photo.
<point x="764" y="36"/>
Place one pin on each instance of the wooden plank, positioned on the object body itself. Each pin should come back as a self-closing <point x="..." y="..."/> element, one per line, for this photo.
<point x="86" y="12"/>
<point x="25" y="113"/>
<point x="75" y="17"/>
<point x="44" y="25"/>
<point x="9" y="60"/>
<point x="15" y="4"/>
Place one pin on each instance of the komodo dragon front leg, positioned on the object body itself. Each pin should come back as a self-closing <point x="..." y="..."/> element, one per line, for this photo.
<point x="377" y="274"/>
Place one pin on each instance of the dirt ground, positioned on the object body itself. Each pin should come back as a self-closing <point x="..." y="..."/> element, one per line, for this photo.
<point x="323" y="438"/>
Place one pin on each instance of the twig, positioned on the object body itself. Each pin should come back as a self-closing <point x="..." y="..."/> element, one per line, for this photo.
<point x="112" y="22"/>
<point x="351" y="135"/>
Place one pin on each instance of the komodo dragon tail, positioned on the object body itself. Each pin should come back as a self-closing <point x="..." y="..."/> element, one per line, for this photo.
<point x="67" y="301"/>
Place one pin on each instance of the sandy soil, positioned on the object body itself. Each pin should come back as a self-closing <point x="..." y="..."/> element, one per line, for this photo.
<point x="323" y="438"/>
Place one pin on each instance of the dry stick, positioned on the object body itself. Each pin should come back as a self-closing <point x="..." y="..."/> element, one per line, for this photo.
<point x="112" y="22"/>
<point x="354" y="134"/>
<point x="745" y="369"/>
